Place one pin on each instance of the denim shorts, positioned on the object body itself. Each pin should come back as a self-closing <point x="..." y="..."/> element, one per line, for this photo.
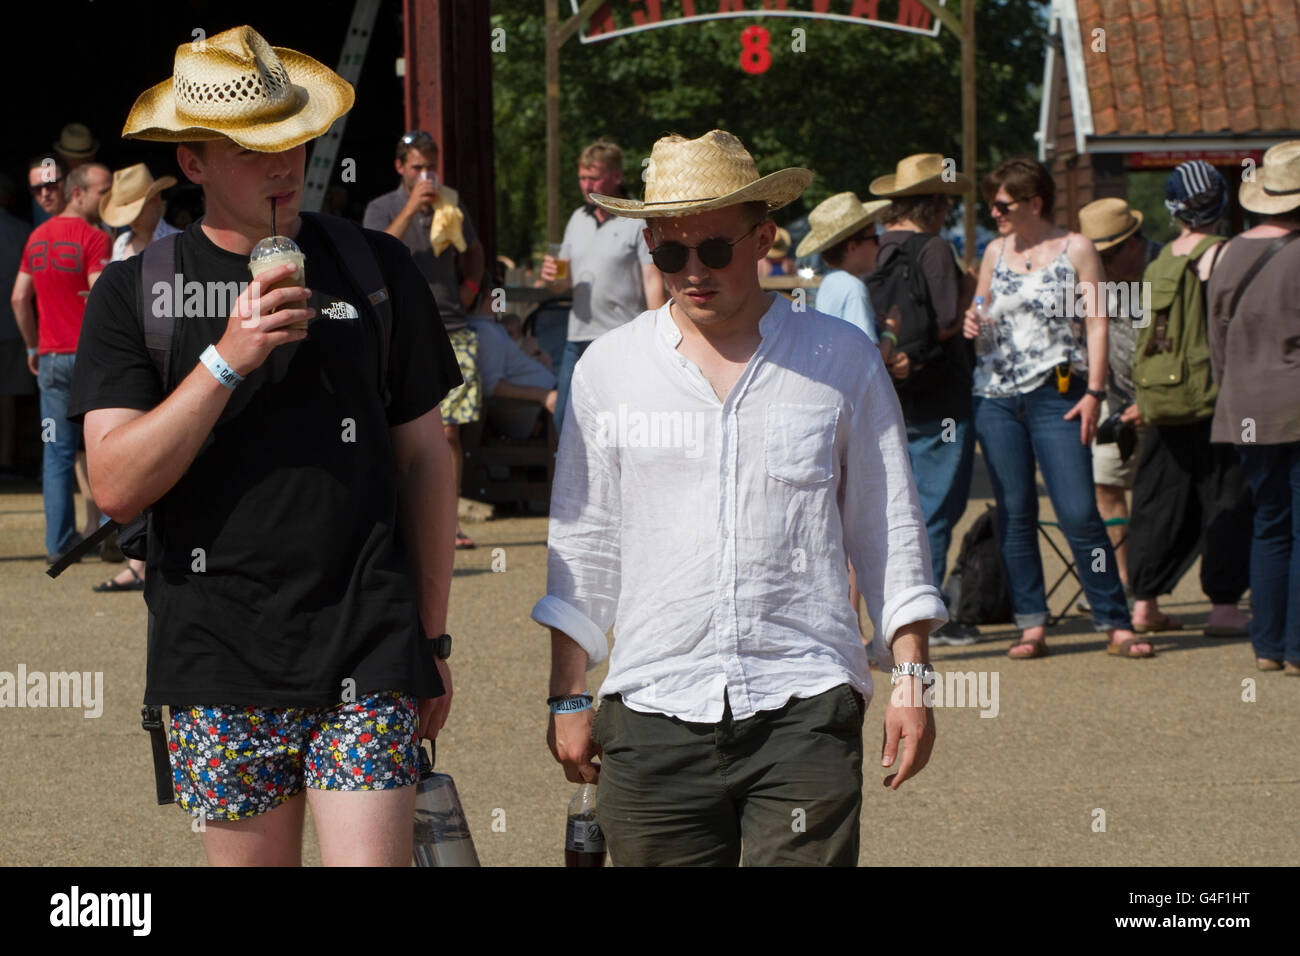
<point x="231" y="763"/>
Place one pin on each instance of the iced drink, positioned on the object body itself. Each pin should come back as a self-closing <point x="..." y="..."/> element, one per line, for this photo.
<point x="275" y="251"/>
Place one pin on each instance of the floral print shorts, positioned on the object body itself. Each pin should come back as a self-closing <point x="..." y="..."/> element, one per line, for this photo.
<point x="230" y="763"/>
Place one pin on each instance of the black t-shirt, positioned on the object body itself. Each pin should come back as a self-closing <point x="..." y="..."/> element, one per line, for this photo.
<point x="943" y="388"/>
<point x="276" y="569"/>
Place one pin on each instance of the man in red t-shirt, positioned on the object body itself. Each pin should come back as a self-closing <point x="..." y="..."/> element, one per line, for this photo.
<point x="63" y="258"/>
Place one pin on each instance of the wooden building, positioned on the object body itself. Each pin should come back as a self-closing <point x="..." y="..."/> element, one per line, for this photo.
<point x="1133" y="86"/>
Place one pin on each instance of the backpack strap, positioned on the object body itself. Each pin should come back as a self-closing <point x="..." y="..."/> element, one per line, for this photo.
<point x="158" y="265"/>
<point x="355" y="253"/>
<point x="1274" y="248"/>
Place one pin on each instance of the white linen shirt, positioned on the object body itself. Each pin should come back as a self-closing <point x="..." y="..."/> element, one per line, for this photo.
<point x="714" y="535"/>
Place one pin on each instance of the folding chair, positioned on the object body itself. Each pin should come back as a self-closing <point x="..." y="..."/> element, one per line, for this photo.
<point x="1067" y="558"/>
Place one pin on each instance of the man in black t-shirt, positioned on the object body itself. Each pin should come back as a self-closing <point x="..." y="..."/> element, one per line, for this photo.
<point x="936" y="397"/>
<point x="301" y="536"/>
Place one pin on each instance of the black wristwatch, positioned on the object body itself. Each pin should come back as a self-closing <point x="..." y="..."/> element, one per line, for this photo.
<point x="441" y="646"/>
<point x="1098" y="394"/>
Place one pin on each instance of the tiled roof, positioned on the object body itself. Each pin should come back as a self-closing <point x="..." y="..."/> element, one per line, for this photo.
<point x="1192" y="66"/>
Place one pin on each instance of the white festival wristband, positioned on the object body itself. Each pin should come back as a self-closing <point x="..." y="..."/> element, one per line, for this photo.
<point x="215" y="364"/>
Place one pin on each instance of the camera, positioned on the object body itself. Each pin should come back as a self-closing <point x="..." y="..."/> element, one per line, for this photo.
<point x="1123" y="434"/>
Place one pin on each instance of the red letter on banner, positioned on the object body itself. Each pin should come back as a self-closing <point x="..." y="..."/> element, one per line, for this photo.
<point x="912" y="14"/>
<point x="653" y="12"/>
<point x="688" y="8"/>
<point x="602" y="21"/>
<point x="868" y="9"/>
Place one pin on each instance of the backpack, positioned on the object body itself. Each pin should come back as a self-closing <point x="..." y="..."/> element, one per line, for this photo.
<point x="1171" y="359"/>
<point x="977" y="585"/>
<point x="900" y="295"/>
<point x="159" y="263"/>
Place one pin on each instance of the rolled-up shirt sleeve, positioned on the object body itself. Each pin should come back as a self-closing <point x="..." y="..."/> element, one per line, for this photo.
<point x="884" y="530"/>
<point x="583" y="573"/>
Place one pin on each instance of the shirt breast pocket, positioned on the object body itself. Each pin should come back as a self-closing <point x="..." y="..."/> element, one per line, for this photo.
<point x="799" y="445"/>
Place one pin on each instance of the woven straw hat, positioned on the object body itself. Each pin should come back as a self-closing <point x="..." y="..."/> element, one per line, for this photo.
<point x="1108" y="222"/>
<point x="780" y="245"/>
<point x="76" y="142"/>
<point x="132" y="188"/>
<point x="920" y="175"/>
<point x="1276" y="188"/>
<point x="267" y="99"/>
<point x="688" y="176"/>
<point x="838" y="218"/>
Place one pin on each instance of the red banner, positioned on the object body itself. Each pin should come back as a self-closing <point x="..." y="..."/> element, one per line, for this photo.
<point x="1169" y="158"/>
<point x="621" y="17"/>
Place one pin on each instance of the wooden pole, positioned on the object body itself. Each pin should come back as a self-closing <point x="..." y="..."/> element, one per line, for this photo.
<point x="552" y="121"/>
<point x="968" y="121"/>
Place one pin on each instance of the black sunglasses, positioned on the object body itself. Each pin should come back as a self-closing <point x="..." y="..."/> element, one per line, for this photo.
<point x="671" y="257"/>
<point x="42" y="186"/>
<point x="1005" y="207"/>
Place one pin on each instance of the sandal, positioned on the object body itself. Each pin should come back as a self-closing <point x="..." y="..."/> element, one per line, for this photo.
<point x="1267" y="664"/>
<point x="463" y="541"/>
<point x="1162" y="622"/>
<point x="1036" y="649"/>
<point x="1125" y="648"/>
<point x="112" y="585"/>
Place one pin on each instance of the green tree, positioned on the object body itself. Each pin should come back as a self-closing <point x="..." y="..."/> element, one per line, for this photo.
<point x="857" y="100"/>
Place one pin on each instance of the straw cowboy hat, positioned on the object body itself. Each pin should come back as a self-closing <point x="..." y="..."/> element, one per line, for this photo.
<point x="76" y="142"/>
<point x="688" y="176"/>
<point x="780" y="245"/>
<point x="1108" y="222"/>
<point x="132" y="188"/>
<point x="838" y="218"/>
<point x="267" y="99"/>
<point x="1276" y="188"/>
<point x="920" y="175"/>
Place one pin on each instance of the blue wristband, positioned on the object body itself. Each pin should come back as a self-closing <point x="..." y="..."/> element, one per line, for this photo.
<point x="223" y="373"/>
<point x="570" y="704"/>
<point x="31" y="352"/>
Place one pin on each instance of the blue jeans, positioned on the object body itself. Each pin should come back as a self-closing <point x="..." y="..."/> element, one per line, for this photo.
<point x="61" y="439"/>
<point x="1013" y="432"/>
<point x="572" y="352"/>
<point x="1274" y="475"/>
<point x="942" y="470"/>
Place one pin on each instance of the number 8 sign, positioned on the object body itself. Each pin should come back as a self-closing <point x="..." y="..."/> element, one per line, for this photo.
<point x="754" y="55"/>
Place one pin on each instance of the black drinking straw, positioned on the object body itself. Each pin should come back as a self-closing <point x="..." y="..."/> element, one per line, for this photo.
<point x="273" y="215"/>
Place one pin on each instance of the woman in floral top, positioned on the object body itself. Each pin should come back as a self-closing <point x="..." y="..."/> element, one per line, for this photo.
<point x="1037" y="402"/>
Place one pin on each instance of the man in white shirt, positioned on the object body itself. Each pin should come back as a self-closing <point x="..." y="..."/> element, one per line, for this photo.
<point x="722" y="458"/>
<point x="611" y="277"/>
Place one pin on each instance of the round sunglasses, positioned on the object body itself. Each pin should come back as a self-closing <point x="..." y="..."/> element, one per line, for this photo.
<point x="715" y="253"/>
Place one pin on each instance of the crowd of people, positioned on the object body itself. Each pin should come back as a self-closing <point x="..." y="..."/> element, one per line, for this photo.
<point x="791" y="458"/>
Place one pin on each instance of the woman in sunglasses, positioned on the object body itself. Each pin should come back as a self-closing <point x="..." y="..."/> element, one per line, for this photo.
<point x="1039" y="380"/>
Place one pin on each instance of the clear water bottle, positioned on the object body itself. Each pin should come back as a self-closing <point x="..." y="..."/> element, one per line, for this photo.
<point x="985" y="340"/>
<point x="441" y="831"/>
<point x="584" y="843"/>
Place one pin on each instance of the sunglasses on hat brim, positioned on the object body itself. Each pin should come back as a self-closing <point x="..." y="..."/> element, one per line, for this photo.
<point x="716" y="253"/>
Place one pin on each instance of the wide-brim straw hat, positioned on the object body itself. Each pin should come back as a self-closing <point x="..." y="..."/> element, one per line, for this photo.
<point x="132" y="188"/>
<point x="838" y="218"/>
<point x="267" y="99"/>
<point x="76" y="142"/>
<point x="921" y="174"/>
<point x="689" y="176"/>
<point x="1276" y="188"/>
<point x="780" y="245"/>
<point x="1108" y="222"/>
